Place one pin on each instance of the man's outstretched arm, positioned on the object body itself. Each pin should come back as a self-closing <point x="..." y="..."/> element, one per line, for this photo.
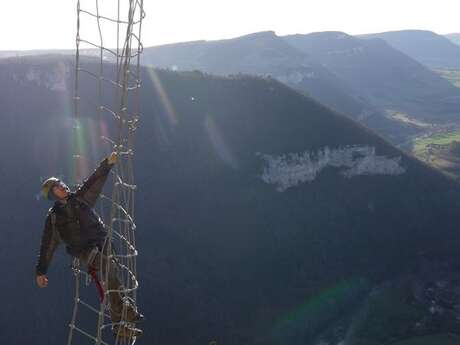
<point x="92" y="187"/>
<point x="50" y="241"/>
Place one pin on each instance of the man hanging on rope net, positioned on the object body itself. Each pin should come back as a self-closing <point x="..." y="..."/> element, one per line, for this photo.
<point x="73" y="220"/>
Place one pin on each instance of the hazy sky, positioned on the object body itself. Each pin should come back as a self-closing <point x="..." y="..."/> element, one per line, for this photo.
<point x="37" y="24"/>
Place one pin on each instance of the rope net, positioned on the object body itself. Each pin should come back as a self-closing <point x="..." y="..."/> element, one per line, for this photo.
<point x="114" y="72"/>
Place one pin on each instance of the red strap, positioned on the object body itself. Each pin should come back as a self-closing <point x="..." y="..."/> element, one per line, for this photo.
<point x="99" y="287"/>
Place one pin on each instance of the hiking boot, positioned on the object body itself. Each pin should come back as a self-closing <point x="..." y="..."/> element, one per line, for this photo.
<point x="135" y="317"/>
<point x="126" y="331"/>
<point x="132" y="315"/>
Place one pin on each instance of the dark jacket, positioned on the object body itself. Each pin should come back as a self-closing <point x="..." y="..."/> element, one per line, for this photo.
<point x="75" y="223"/>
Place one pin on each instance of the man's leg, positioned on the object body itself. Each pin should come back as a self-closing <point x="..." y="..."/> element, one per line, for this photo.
<point x="93" y="258"/>
<point x="98" y="261"/>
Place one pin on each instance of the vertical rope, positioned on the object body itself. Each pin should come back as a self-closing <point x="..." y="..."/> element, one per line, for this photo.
<point x="76" y="153"/>
<point x="75" y="158"/>
<point x="75" y="308"/>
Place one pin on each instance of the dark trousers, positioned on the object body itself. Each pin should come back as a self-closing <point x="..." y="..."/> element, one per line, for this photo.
<point x="92" y="259"/>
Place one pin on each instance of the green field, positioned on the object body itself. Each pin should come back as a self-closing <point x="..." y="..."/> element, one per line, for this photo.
<point x="452" y="75"/>
<point x="440" y="139"/>
<point x="440" y="339"/>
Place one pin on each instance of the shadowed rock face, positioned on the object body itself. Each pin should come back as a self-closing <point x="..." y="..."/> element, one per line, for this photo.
<point x="223" y="255"/>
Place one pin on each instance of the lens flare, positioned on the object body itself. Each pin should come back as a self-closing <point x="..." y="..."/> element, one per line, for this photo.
<point x="318" y="310"/>
<point x="219" y="144"/>
<point x="164" y="99"/>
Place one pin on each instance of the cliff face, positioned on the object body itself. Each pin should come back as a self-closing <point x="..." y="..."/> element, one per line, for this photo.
<point x="289" y="170"/>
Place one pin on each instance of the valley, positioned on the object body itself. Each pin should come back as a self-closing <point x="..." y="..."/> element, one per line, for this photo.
<point x="439" y="145"/>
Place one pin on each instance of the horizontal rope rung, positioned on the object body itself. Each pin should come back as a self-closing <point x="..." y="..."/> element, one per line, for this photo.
<point x="86" y="334"/>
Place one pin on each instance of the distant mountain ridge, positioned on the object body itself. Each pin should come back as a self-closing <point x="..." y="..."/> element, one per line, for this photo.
<point x="381" y="74"/>
<point x="453" y="37"/>
<point x="33" y="52"/>
<point x="427" y="47"/>
<point x="265" y="53"/>
<point x="360" y="78"/>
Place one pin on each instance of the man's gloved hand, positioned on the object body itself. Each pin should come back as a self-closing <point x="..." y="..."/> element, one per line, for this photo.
<point x="42" y="281"/>
<point x="113" y="158"/>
